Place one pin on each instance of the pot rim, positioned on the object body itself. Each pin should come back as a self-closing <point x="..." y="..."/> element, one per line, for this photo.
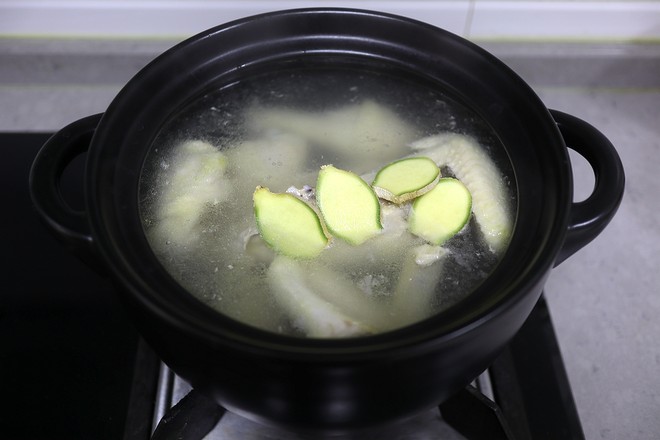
<point x="202" y="323"/>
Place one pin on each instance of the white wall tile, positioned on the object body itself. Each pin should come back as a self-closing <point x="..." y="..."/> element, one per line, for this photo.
<point x="567" y="20"/>
<point x="476" y="19"/>
<point x="168" y="19"/>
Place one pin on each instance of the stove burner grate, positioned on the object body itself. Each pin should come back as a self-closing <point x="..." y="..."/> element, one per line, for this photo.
<point x="525" y="394"/>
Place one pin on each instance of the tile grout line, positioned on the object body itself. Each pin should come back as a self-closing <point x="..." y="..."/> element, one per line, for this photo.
<point x="467" y="28"/>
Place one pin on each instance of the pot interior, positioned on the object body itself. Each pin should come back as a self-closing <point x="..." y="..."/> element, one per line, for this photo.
<point x="276" y="127"/>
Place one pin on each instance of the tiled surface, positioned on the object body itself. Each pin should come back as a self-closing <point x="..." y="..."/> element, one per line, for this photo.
<point x="585" y="20"/>
<point x="604" y="299"/>
<point x="528" y="19"/>
<point x="166" y="18"/>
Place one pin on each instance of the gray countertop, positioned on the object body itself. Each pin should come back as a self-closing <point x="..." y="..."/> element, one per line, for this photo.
<point x="603" y="300"/>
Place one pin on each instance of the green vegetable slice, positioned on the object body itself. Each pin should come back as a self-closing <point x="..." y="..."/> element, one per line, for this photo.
<point x="288" y="225"/>
<point x="348" y="204"/>
<point x="471" y="164"/>
<point x="406" y="179"/>
<point x="442" y="212"/>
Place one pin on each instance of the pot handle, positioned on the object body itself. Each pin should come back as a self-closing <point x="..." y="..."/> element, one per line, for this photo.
<point x="69" y="226"/>
<point x="589" y="217"/>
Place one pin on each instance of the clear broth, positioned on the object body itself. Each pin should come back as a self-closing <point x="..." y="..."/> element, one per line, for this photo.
<point x="256" y="126"/>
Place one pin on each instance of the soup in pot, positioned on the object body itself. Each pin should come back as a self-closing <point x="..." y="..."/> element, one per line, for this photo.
<point x="327" y="202"/>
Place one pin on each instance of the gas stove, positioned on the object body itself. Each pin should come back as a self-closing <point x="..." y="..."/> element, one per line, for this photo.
<point x="72" y="366"/>
<point x="524" y="394"/>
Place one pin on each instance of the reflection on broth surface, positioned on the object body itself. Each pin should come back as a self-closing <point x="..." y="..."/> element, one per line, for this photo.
<point x="277" y="131"/>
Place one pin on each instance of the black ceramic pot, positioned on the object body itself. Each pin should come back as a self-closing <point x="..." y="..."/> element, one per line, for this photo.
<point x="328" y="385"/>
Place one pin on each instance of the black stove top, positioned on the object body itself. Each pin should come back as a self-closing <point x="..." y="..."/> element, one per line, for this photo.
<point x="73" y="367"/>
<point x="66" y="348"/>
